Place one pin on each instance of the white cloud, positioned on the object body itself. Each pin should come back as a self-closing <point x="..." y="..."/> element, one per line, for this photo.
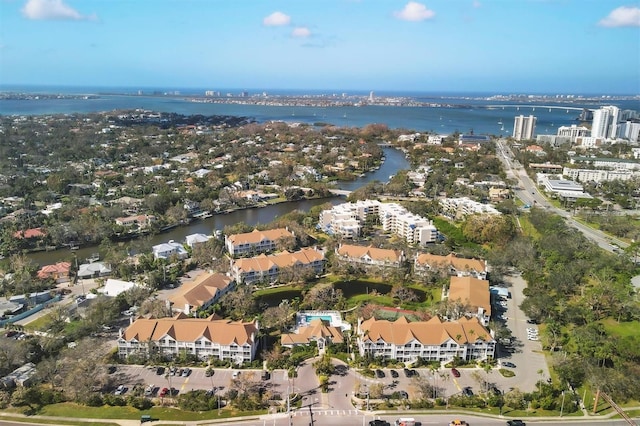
<point x="276" y="19"/>
<point x="622" y="17"/>
<point x="52" y="9"/>
<point x="300" y="32"/>
<point x="414" y="11"/>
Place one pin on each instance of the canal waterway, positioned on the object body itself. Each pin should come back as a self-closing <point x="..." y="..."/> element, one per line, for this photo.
<point x="395" y="160"/>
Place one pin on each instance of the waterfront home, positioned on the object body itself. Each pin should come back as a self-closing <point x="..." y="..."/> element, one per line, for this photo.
<point x="474" y="293"/>
<point x="317" y="330"/>
<point x="257" y="241"/>
<point x="94" y="270"/>
<point x="28" y="234"/>
<point x="193" y="239"/>
<point x="223" y="339"/>
<point x="169" y="249"/>
<point x="60" y="272"/>
<point x="268" y="268"/>
<point x="370" y="256"/>
<point x="204" y="291"/>
<point x="450" y="264"/>
<point x="433" y="340"/>
<point x="113" y="287"/>
<point x="141" y="220"/>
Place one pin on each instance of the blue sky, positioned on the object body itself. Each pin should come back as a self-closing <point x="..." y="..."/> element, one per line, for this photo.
<point x="506" y="46"/>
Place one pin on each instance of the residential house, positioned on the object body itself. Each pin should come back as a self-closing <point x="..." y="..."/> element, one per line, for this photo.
<point x="113" y="287"/>
<point x="475" y="293"/>
<point x="222" y="339"/>
<point x="204" y="291"/>
<point x="318" y="331"/>
<point x="167" y="250"/>
<point x="370" y="256"/>
<point x="432" y="340"/>
<point x="94" y="270"/>
<point x="141" y="220"/>
<point x="60" y="272"/>
<point x="193" y="239"/>
<point x="452" y="264"/>
<point x="29" y="234"/>
<point x="256" y="241"/>
<point x="268" y="268"/>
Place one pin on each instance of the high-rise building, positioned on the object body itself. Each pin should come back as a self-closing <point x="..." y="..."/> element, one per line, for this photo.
<point x="605" y="122"/>
<point x="524" y="127"/>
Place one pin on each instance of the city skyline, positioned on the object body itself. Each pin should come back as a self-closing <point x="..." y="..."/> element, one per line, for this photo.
<point x="466" y="45"/>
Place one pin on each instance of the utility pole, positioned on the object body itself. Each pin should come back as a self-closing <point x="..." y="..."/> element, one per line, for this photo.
<point x="562" y="406"/>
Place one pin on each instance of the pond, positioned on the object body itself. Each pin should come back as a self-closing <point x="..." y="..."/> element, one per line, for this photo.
<point x="276" y="296"/>
<point x="359" y="287"/>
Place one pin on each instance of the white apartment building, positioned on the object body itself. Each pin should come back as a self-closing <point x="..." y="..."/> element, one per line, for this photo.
<point x="524" y="127"/>
<point x="607" y="163"/>
<point x="346" y="219"/>
<point x="630" y="130"/>
<point x="592" y="175"/>
<point x="463" y="206"/>
<point x="605" y="122"/>
<point x="572" y="132"/>
<point x="432" y="340"/>
<point x="413" y="228"/>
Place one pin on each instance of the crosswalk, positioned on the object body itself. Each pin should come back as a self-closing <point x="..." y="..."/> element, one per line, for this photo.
<point x="326" y="413"/>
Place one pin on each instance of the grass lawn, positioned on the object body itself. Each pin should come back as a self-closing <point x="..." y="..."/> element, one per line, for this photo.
<point x="623" y="329"/>
<point x="527" y="228"/>
<point x="39" y="324"/>
<point x="32" y="420"/>
<point x="162" y="413"/>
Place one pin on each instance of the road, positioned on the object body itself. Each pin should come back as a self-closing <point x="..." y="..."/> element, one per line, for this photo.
<point x="530" y="195"/>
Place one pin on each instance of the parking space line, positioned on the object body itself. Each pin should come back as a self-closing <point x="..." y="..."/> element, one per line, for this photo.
<point x="457" y="385"/>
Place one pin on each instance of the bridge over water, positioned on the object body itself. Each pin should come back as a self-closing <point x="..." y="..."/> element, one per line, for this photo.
<point x="340" y="192"/>
<point x="534" y="106"/>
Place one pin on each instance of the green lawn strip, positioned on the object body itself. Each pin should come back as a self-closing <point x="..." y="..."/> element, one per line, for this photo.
<point x="163" y="413"/>
<point x="527" y="228"/>
<point x="39" y="324"/>
<point x="622" y="329"/>
<point x="37" y="420"/>
<point x="369" y="298"/>
<point x="506" y="411"/>
<point x="274" y="290"/>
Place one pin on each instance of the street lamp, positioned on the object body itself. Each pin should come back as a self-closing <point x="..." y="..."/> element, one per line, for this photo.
<point x="562" y="406"/>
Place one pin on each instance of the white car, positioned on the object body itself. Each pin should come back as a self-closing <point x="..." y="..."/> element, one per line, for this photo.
<point x="120" y="390"/>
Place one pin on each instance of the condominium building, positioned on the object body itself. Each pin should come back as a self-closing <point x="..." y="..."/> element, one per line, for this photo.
<point x="572" y="132"/>
<point x="450" y="264"/>
<point x="605" y="122"/>
<point x="203" y="337"/>
<point x="432" y="340"/>
<point x="269" y="267"/>
<point x="347" y="220"/>
<point x="474" y="293"/>
<point x="201" y="293"/>
<point x="460" y="207"/>
<point x="592" y="175"/>
<point x="413" y="228"/>
<point x="370" y="256"/>
<point x="256" y="242"/>
<point x="524" y="127"/>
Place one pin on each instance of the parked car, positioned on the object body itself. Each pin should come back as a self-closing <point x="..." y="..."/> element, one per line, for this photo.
<point x="516" y="422"/>
<point x="467" y="391"/>
<point x="164" y="392"/>
<point x="186" y="372"/>
<point x="379" y="423"/>
<point x="120" y="390"/>
<point x="173" y="370"/>
<point x="394" y="374"/>
<point x="403" y="395"/>
<point x="380" y="374"/>
<point x="508" y="364"/>
<point x="160" y="371"/>
<point x="455" y="372"/>
<point x="415" y="373"/>
<point x="407" y="372"/>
